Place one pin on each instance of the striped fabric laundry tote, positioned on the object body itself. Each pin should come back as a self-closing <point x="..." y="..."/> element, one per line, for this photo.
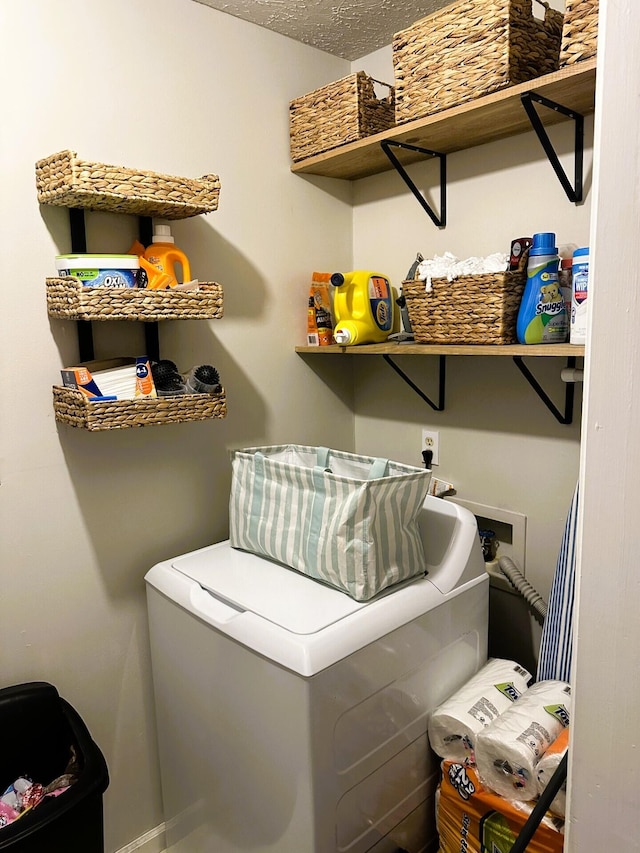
<point x="345" y="520"/>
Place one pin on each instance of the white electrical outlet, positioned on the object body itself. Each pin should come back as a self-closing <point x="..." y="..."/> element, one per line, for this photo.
<point x="431" y="441"/>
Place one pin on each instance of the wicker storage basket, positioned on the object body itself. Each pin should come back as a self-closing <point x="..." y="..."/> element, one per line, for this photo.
<point x="338" y="113"/>
<point x="64" y="180"/>
<point x="580" y="31"/>
<point x="68" y="299"/>
<point x="72" y="407"/>
<point x="471" y="48"/>
<point x="471" y="309"/>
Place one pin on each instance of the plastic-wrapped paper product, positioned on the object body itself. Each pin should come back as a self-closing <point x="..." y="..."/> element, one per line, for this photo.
<point x="454" y="725"/>
<point x="547" y="767"/>
<point x="508" y="750"/>
<point x="475" y="820"/>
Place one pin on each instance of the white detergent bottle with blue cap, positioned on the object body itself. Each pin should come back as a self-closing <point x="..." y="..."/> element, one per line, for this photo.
<point x="579" y="292"/>
<point x="542" y="318"/>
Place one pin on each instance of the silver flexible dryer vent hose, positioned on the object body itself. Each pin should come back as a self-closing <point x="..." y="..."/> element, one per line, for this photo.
<point x="522" y="585"/>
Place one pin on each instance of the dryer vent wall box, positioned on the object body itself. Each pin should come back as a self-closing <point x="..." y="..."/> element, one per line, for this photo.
<point x="293" y="718"/>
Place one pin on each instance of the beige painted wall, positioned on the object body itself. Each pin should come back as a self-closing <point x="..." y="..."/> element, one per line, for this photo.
<point x="499" y="445"/>
<point x="177" y="87"/>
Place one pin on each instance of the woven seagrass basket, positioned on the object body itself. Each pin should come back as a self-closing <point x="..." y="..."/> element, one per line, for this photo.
<point x="64" y="180"/>
<point x="471" y="309"/>
<point x="580" y="31"/>
<point x="69" y="299"/>
<point x="72" y="407"/>
<point x="341" y="112"/>
<point x="471" y="48"/>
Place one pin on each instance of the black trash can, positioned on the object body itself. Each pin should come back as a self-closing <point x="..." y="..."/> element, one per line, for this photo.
<point x="38" y="730"/>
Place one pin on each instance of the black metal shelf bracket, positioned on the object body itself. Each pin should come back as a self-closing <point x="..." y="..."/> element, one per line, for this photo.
<point x="151" y="331"/>
<point x="145" y="230"/>
<point x="439" y="406"/>
<point x="78" y="230"/>
<point x="574" y="193"/>
<point x="79" y="245"/>
<point x="439" y="221"/>
<point x="152" y="341"/>
<point x="563" y="418"/>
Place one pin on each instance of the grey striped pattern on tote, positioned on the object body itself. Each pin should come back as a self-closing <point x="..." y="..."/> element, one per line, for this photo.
<point x="346" y="520"/>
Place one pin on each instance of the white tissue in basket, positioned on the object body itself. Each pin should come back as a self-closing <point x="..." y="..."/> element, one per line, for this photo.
<point x="450" y="267"/>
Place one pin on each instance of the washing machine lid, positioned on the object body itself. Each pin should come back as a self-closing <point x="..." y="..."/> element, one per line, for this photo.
<point x="302" y="624"/>
<point x="273" y="592"/>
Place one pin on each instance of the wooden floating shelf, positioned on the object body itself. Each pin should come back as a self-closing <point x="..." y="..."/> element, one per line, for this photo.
<point x="485" y="119"/>
<point x="563" y="350"/>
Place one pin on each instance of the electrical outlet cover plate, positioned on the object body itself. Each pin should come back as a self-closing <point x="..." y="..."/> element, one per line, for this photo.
<point x="431" y="441"/>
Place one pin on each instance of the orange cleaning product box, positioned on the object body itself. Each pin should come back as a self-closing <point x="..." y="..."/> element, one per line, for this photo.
<point x="320" y="313"/>
<point x="80" y="378"/>
<point x="472" y="818"/>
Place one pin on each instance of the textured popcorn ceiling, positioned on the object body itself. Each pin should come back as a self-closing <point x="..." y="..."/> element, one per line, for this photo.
<point x="346" y="28"/>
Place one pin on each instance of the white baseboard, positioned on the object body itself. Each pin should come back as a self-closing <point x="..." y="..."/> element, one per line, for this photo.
<point x="152" y="841"/>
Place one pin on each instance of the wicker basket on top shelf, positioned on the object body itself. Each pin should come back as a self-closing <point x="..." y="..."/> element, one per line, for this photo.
<point x="580" y="31"/>
<point x="63" y="179"/>
<point x="469" y="49"/>
<point x="74" y="408"/>
<point x="69" y="299"/>
<point x="341" y="112"/>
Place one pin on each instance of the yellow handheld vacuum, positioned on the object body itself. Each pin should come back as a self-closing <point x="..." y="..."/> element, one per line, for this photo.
<point x="364" y="307"/>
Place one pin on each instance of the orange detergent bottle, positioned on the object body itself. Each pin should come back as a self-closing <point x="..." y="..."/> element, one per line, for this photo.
<point x="164" y="255"/>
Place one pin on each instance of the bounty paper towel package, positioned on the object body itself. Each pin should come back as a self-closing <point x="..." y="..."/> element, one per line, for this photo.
<point x="474" y="819"/>
<point x="454" y="725"/>
<point x="508" y="750"/>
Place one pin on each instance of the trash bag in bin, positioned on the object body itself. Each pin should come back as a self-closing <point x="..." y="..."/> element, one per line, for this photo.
<point x="41" y="733"/>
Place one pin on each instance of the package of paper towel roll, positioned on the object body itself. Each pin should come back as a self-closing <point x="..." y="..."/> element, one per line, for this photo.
<point x="455" y="725"/>
<point x="548" y="765"/>
<point x="508" y="750"/>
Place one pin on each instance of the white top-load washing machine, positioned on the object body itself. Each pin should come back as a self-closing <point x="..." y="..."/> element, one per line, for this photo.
<point x="292" y="718"/>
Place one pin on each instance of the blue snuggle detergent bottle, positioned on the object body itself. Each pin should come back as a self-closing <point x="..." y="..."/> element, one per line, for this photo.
<point x="542" y="318"/>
